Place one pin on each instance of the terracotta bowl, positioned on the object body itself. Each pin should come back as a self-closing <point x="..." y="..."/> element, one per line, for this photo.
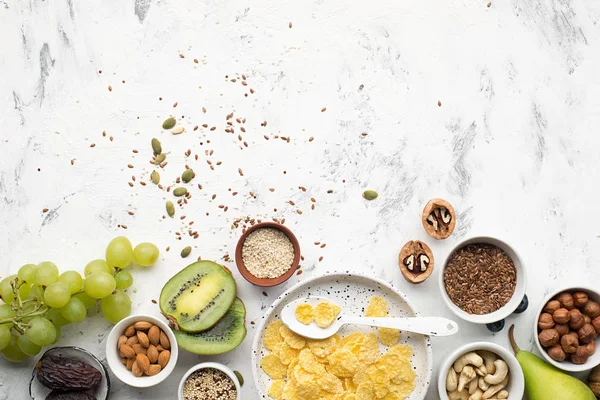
<point x="267" y="282"/>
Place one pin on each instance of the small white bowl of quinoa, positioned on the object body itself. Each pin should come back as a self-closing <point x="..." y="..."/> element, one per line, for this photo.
<point x="209" y="381"/>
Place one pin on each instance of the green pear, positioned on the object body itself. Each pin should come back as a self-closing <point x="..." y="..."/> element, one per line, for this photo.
<point x="544" y="381"/>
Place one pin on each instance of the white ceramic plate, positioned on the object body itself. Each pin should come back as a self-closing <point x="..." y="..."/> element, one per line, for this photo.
<point x="352" y="292"/>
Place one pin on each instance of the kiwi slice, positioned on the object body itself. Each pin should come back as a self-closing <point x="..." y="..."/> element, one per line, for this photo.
<point x="197" y="297"/>
<point x="225" y="336"/>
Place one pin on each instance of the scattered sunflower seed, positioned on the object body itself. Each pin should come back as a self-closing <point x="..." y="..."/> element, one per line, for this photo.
<point x="156" y="146"/>
<point x="188" y="175"/>
<point x="155" y="177"/>
<point x="180" y="191"/>
<point x="186" y="251"/>
<point x="170" y="208"/>
<point x="169" y="123"/>
<point x="370" y="194"/>
<point x="177" y="130"/>
<point x="160" y="158"/>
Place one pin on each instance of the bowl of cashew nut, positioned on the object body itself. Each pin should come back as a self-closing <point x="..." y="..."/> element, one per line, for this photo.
<point x="481" y="371"/>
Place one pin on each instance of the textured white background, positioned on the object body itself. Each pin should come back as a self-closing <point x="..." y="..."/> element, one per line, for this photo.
<point x="514" y="145"/>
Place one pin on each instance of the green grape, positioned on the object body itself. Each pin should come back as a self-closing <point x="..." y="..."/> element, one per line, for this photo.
<point x="74" y="311"/>
<point x="57" y="295"/>
<point x="41" y="332"/>
<point x="123" y="279"/>
<point x="46" y="274"/>
<point x="27" y="346"/>
<point x="97" y="265"/>
<point x="99" y="285"/>
<point x="12" y="352"/>
<point x="119" y="252"/>
<point x="58" y="334"/>
<point x="116" y="306"/>
<point x="4" y="336"/>
<point x="88" y="301"/>
<point x="56" y="317"/>
<point x="24" y="291"/>
<point x="36" y="292"/>
<point x="72" y="279"/>
<point x="27" y="273"/>
<point x="6" y="290"/>
<point x="145" y="254"/>
<point x="6" y="312"/>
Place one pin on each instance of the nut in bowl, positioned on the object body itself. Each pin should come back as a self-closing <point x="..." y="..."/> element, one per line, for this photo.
<point x="481" y="371"/>
<point x="494" y="274"/>
<point x="209" y="381"/>
<point x="567" y="328"/>
<point x="141" y="350"/>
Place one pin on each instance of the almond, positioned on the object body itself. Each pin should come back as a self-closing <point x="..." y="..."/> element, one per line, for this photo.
<point x="130" y="362"/>
<point x="122" y="340"/>
<point x="142" y="325"/>
<point x="164" y="341"/>
<point x="130" y="331"/>
<point x="163" y="358"/>
<point x="126" y="351"/>
<point x="152" y="354"/>
<point x="142" y="362"/>
<point x="132" y="340"/>
<point x="154" y="335"/>
<point x="160" y="348"/>
<point x="143" y="339"/>
<point x="124" y="361"/>
<point x="139" y="349"/>
<point x="136" y="369"/>
<point x="153" y="370"/>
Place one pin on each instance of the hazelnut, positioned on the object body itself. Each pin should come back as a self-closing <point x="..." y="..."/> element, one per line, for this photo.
<point x="562" y="329"/>
<point x="546" y="321"/>
<point x="591" y="309"/>
<point x="586" y="333"/>
<point x="561" y="316"/>
<point x="548" y="337"/>
<point x="556" y="353"/>
<point x="591" y="346"/>
<point x="576" y="320"/>
<point x="587" y="319"/>
<point x="552" y="306"/>
<point x="569" y="342"/>
<point x="596" y="324"/>
<point x="566" y="300"/>
<point x="580" y="299"/>
<point x="580" y="356"/>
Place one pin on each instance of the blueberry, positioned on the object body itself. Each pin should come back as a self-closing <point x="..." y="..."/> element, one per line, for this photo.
<point x="523" y="306"/>
<point x="496" y="326"/>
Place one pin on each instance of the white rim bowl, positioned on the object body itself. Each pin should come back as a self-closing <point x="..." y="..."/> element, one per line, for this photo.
<point x="114" y="359"/>
<point x="516" y="380"/>
<point x="509" y="307"/>
<point x="226" y="370"/>
<point x="567" y="365"/>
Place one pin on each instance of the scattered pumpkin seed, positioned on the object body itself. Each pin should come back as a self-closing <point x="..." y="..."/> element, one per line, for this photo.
<point x="169" y="123"/>
<point x="370" y="194"/>
<point x="177" y="130"/>
<point x="155" y="177"/>
<point x="170" y="209"/>
<point x="240" y="377"/>
<point x="188" y="175"/>
<point x="186" y="251"/>
<point x="160" y="158"/>
<point x="180" y="191"/>
<point x="156" y="146"/>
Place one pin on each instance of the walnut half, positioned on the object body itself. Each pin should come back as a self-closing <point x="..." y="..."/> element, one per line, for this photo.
<point x="439" y="218"/>
<point x="415" y="261"/>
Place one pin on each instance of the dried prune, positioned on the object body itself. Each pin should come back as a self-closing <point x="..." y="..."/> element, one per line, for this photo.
<point x="66" y="375"/>
<point x="70" y="396"/>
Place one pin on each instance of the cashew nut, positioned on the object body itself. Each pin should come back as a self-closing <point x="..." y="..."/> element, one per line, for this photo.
<point x="477" y="395"/>
<point x="481" y="371"/>
<point x="469" y="358"/>
<point x="488" y="358"/>
<point x="451" y="380"/>
<point x="473" y="386"/>
<point x="456" y="395"/>
<point x="483" y="385"/>
<point x="466" y="376"/>
<point x="495" y="389"/>
<point x="503" y="394"/>
<point x="501" y="373"/>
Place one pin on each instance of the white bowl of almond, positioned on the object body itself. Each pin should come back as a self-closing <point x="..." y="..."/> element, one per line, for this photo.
<point x="141" y="350"/>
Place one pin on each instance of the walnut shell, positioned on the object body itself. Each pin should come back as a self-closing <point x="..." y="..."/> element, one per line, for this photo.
<point x="438" y="218"/>
<point x="415" y="261"/>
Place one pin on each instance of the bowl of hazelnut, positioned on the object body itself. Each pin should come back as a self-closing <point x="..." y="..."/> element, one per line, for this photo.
<point x="568" y="327"/>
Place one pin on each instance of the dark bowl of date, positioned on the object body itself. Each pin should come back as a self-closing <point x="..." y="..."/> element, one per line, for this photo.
<point x="483" y="280"/>
<point x="567" y="327"/>
<point x="267" y="254"/>
<point x="69" y="373"/>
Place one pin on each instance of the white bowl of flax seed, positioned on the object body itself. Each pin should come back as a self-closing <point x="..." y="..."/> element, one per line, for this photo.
<point x="209" y="381"/>
<point x="483" y="280"/>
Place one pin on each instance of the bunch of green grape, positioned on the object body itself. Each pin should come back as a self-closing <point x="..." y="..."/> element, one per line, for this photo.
<point x="38" y="300"/>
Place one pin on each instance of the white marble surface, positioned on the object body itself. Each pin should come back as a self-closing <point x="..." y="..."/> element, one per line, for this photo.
<point x="514" y="145"/>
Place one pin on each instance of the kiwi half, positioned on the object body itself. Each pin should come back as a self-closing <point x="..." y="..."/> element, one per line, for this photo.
<point x="197" y="297"/>
<point x="225" y="336"/>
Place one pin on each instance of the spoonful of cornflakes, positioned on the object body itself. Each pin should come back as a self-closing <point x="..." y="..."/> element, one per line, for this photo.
<point x="320" y="318"/>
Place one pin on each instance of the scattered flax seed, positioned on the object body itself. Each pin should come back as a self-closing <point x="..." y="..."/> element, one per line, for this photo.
<point x="129" y="166"/>
<point x="290" y="25"/>
<point x="243" y="129"/>
<point x="213" y="128"/>
<point x="123" y="226"/>
<point x="45" y="210"/>
<point x="251" y="90"/>
<point x="168" y="248"/>
<point x="175" y="104"/>
<point x="312" y="207"/>
<point x="266" y="137"/>
<point x="313" y="200"/>
<point x="323" y="245"/>
<point x="489" y="4"/>
<point x="109" y="88"/>
<point x="310" y="139"/>
<point x="214" y="196"/>
<point x="135" y="151"/>
<point x="244" y="83"/>
<point x="299" y="272"/>
<point x="361" y="87"/>
<point x="320" y="258"/>
<point x="219" y="163"/>
<point x="299" y="211"/>
<point x="181" y="55"/>
<point x="317" y="243"/>
<point x="240" y="172"/>
<point x="93" y="145"/>
<point x="104" y="134"/>
<point x="204" y="110"/>
<point x="72" y="161"/>
<point x="291" y="202"/>
<point x="364" y="134"/>
<point x="130" y="213"/>
<point x="272" y="189"/>
<point x="153" y="301"/>
<point x="234" y="193"/>
<point x="439" y="103"/>
<point x="196" y="60"/>
<point x="330" y="191"/>
<point x="196" y="127"/>
<point x="302" y="188"/>
<point x="130" y="184"/>
<point x="323" y="109"/>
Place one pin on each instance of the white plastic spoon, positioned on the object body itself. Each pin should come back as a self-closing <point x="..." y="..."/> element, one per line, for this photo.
<point x="434" y="326"/>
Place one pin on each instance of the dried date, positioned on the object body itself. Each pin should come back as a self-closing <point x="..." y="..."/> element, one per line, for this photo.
<point x="70" y="396"/>
<point x="67" y="375"/>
